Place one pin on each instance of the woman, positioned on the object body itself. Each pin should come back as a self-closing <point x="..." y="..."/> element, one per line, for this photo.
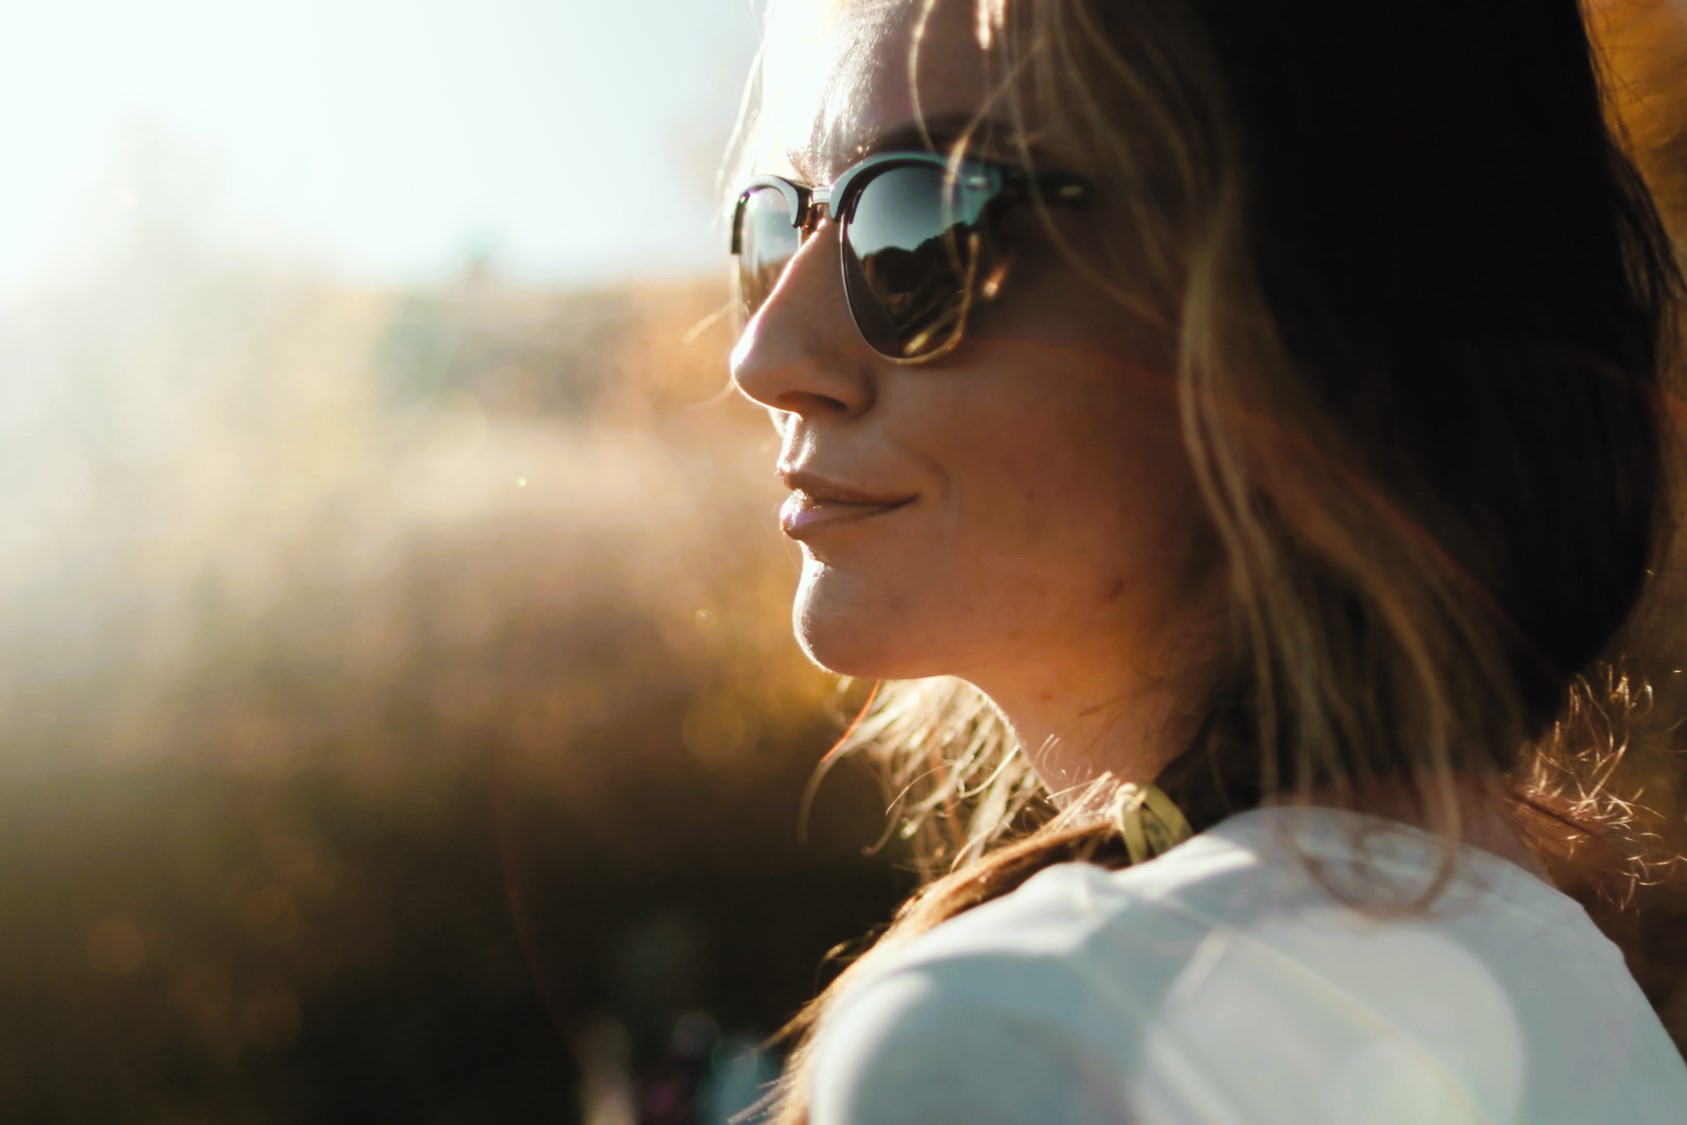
<point x="1236" y="429"/>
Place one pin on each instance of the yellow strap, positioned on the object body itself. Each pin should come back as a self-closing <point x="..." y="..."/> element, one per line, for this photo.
<point x="1149" y="821"/>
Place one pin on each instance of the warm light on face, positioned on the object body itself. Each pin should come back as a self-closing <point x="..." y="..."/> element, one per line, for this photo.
<point x="1014" y="512"/>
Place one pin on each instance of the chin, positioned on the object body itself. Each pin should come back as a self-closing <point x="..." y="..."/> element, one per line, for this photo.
<point x="850" y="637"/>
<point x="849" y="650"/>
<point x="861" y="663"/>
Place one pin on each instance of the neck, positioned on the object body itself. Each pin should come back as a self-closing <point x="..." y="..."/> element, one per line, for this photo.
<point x="1073" y="738"/>
<point x="1104" y="734"/>
<point x="1078" y="728"/>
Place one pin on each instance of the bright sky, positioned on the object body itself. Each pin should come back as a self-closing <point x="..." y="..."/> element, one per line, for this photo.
<point x="575" y="140"/>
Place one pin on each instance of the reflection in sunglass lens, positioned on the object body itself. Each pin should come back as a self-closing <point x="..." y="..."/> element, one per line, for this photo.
<point x="914" y="239"/>
<point x="767" y="242"/>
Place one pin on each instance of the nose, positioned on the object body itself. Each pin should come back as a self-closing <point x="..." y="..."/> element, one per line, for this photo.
<point x="800" y="354"/>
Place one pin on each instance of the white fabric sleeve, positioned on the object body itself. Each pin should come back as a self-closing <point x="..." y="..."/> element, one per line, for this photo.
<point x="973" y="1040"/>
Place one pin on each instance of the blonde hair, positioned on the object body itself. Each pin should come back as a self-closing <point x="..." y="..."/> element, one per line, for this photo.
<point x="1435" y="506"/>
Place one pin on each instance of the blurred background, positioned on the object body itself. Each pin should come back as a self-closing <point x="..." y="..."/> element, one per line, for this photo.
<point x="398" y="715"/>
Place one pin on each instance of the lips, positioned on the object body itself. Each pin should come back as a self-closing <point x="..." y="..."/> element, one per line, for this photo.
<point x="801" y="514"/>
<point x="825" y="501"/>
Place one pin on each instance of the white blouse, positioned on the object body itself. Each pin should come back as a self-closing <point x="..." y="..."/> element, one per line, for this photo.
<point x="1220" y="983"/>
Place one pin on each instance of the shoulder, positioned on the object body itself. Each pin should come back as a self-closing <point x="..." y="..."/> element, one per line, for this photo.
<point x="978" y="1038"/>
<point x="1021" y="1009"/>
<point x="1072" y="918"/>
<point x="1220" y="979"/>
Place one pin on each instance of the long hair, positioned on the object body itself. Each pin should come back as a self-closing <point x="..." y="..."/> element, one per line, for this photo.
<point x="1425" y="304"/>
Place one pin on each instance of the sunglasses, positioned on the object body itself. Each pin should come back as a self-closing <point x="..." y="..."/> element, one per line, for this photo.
<point x="921" y="239"/>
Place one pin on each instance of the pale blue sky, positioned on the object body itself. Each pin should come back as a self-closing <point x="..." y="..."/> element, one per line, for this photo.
<point x="379" y="139"/>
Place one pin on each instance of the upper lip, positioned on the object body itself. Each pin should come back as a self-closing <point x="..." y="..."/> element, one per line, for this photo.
<point x="827" y="490"/>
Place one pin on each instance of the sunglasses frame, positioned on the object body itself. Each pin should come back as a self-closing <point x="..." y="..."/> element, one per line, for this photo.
<point x="1004" y="184"/>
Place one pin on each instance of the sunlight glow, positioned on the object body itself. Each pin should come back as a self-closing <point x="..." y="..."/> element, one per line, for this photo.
<point x="566" y="140"/>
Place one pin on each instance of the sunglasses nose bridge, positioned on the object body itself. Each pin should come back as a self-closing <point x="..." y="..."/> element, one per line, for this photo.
<point x="819" y="208"/>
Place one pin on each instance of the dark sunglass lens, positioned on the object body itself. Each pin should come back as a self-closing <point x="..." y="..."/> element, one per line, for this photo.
<point x="914" y="237"/>
<point x="766" y="243"/>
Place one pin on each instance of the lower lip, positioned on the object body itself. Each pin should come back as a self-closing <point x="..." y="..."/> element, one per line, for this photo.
<point x="800" y="516"/>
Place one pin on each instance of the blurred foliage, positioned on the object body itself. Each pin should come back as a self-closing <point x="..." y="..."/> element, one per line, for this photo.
<point x="399" y="712"/>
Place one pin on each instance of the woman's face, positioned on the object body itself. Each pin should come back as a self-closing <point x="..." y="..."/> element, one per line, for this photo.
<point x="1045" y="508"/>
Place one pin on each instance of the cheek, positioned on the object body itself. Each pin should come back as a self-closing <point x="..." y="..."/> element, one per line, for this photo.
<point x="1056" y="520"/>
<point x="1093" y="493"/>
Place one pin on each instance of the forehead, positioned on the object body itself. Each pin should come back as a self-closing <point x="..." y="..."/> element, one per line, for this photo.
<point x="836" y="78"/>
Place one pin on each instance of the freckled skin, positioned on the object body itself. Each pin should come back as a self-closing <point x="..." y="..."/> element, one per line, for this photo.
<point x="1054" y="504"/>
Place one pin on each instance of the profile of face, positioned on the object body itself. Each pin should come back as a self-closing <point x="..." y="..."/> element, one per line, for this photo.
<point x="1017" y="512"/>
